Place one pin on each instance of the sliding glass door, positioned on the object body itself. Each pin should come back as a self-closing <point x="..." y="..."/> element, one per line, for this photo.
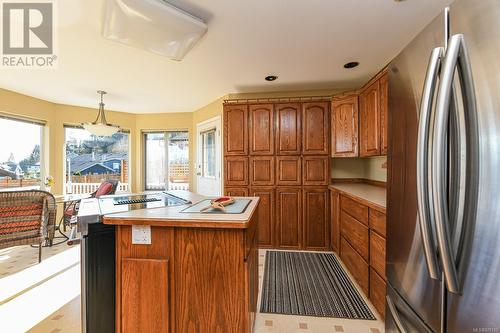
<point x="166" y="160"/>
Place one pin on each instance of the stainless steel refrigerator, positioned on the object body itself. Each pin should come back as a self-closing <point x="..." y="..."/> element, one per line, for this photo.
<point x="443" y="226"/>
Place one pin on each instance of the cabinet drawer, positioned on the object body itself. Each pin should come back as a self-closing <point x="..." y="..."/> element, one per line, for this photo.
<point x="377" y="253"/>
<point x="377" y="292"/>
<point x="355" y="209"/>
<point x="377" y="221"/>
<point x="356" y="233"/>
<point x="355" y="264"/>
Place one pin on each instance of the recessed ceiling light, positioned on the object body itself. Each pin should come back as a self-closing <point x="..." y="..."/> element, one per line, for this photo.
<point x="351" y="64"/>
<point x="271" y="78"/>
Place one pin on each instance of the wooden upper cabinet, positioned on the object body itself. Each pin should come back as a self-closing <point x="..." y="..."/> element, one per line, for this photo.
<point x="262" y="170"/>
<point x="288" y="170"/>
<point x="235" y="130"/>
<point x="315" y="128"/>
<point x="369" y="120"/>
<point x="288" y="129"/>
<point x="384" y="106"/>
<point x="236" y="171"/>
<point x="289" y="217"/>
<point x="316" y="218"/>
<point x="345" y="126"/>
<point x="261" y="129"/>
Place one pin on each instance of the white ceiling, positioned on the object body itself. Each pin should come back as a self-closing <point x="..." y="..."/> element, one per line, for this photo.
<point x="304" y="42"/>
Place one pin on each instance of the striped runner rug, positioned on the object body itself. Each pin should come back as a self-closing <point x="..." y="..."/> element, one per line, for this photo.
<point x="310" y="284"/>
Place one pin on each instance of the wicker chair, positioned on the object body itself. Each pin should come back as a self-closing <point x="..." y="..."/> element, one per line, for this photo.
<point x="27" y="217"/>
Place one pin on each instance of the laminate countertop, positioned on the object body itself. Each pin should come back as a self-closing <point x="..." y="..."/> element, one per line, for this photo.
<point x="370" y="194"/>
<point x="172" y="216"/>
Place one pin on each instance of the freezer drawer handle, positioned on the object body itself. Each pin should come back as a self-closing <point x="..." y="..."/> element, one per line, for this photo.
<point x="395" y="315"/>
<point x="425" y="218"/>
<point x="456" y="57"/>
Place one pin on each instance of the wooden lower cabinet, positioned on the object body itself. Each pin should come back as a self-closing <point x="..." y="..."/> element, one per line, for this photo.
<point x="187" y="280"/>
<point x="265" y="213"/>
<point x="316" y="218"/>
<point x="377" y="292"/>
<point x="362" y="244"/>
<point x="289" y="217"/>
<point x="355" y="264"/>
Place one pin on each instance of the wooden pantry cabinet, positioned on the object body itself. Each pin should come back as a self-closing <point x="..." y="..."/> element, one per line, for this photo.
<point x="286" y="163"/>
<point x="358" y="235"/>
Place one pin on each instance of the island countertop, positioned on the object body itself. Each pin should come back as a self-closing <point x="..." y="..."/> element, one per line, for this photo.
<point x="171" y="216"/>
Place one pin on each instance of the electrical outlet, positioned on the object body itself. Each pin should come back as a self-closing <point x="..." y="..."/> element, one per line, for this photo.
<point x="141" y="234"/>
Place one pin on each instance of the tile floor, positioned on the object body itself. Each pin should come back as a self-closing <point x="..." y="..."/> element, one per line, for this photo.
<point x="67" y="318"/>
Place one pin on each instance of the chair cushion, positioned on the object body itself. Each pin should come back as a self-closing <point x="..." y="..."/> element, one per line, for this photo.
<point x="104" y="188"/>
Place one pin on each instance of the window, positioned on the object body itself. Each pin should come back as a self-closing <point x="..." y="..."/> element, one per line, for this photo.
<point x="21" y="153"/>
<point x="208" y="153"/>
<point x="91" y="159"/>
<point x="166" y="160"/>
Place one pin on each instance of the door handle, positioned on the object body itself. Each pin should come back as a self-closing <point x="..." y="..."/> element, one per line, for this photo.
<point x="395" y="315"/>
<point x="457" y="57"/>
<point x="425" y="217"/>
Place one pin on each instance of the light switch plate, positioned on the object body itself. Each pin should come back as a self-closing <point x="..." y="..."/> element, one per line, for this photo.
<point x="141" y="234"/>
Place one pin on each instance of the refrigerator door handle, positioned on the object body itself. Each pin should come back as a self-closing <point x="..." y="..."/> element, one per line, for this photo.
<point x="456" y="58"/>
<point x="395" y="315"/>
<point x="425" y="217"/>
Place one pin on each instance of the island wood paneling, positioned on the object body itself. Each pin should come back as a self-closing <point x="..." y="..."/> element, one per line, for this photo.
<point x="145" y="295"/>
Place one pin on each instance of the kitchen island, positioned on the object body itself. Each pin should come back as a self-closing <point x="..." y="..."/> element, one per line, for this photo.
<point x="198" y="274"/>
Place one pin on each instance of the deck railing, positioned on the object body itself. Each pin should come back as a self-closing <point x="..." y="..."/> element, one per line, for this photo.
<point x="83" y="188"/>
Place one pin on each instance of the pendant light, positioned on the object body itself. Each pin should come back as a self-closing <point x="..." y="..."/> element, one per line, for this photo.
<point x="100" y="126"/>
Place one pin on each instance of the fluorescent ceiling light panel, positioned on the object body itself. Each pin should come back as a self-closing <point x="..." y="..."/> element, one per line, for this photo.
<point x="153" y="25"/>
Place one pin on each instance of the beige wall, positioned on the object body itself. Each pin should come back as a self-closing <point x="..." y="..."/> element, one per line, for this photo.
<point x="369" y="168"/>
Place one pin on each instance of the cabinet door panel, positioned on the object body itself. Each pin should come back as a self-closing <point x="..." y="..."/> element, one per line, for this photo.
<point x="377" y="221"/>
<point x="288" y="129"/>
<point x="377" y="253"/>
<point x="289" y="217"/>
<point x="315" y="128"/>
<point x="261" y="129"/>
<point x="356" y="233"/>
<point x="235" y="130"/>
<point x="316" y="201"/>
<point x="345" y="126"/>
<point x="262" y="170"/>
<point x="316" y="170"/>
<point x="355" y="209"/>
<point x="370" y="120"/>
<point x="377" y="292"/>
<point x="335" y="218"/>
<point x="236" y="171"/>
<point x="384" y="108"/>
<point x="144" y="295"/>
<point x="265" y="214"/>
<point x="355" y="264"/>
<point x="236" y="191"/>
<point x="288" y="170"/>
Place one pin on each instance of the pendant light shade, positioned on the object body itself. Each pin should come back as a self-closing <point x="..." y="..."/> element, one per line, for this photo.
<point x="100" y="126"/>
